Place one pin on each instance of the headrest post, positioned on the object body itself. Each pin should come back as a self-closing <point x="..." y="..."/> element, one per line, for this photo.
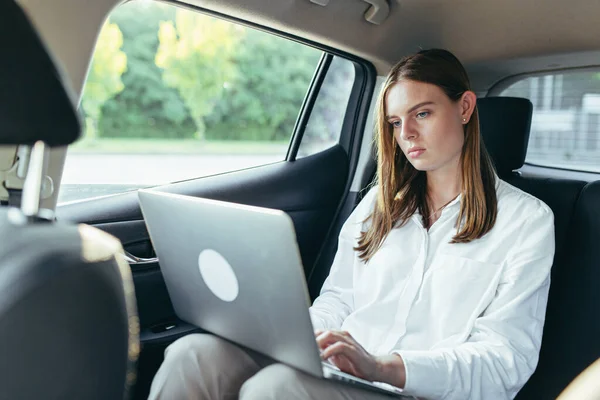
<point x="23" y="154"/>
<point x="32" y="187"/>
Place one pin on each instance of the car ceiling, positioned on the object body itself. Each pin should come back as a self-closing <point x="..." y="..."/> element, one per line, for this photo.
<point x="494" y="39"/>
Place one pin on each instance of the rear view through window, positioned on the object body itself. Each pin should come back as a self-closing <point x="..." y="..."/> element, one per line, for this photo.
<point x="565" y="130"/>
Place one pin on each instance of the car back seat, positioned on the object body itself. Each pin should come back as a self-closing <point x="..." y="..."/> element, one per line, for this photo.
<point x="571" y="339"/>
<point x="505" y="124"/>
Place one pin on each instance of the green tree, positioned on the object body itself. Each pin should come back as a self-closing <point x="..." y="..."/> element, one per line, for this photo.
<point x="263" y="100"/>
<point x="147" y="108"/>
<point x="104" y="77"/>
<point x="195" y="54"/>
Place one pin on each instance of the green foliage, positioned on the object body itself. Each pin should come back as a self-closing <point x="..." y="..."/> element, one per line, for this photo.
<point x="195" y="54"/>
<point x="194" y="76"/>
<point x="147" y="108"/>
<point x="104" y="76"/>
<point x="263" y="100"/>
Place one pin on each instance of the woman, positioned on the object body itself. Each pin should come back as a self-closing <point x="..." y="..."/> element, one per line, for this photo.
<point x="440" y="282"/>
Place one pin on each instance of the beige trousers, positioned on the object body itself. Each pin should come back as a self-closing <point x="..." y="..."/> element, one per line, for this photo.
<point x="203" y="366"/>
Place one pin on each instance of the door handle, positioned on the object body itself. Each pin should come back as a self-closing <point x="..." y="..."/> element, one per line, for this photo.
<point x="134" y="260"/>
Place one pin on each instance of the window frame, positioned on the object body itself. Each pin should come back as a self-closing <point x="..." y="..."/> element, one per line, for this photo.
<point x="307" y="106"/>
<point x="358" y="102"/>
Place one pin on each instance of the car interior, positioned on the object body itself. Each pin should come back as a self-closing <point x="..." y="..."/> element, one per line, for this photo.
<point x="69" y="322"/>
<point x="534" y="67"/>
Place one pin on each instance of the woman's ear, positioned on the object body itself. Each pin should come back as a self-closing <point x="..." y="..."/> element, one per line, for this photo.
<point x="467" y="105"/>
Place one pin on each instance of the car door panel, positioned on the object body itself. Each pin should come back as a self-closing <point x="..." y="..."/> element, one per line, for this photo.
<point x="309" y="190"/>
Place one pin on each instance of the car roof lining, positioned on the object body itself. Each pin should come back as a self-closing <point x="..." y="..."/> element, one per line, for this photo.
<point x="494" y="39"/>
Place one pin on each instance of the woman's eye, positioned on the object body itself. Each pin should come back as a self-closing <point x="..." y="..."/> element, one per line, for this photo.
<point x="423" y="114"/>
<point x="396" y="124"/>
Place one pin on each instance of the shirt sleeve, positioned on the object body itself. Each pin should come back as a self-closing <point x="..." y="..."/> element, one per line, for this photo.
<point x="502" y="350"/>
<point x="336" y="301"/>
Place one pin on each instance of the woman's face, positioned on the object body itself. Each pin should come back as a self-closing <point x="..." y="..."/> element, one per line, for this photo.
<point x="427" y="125"/>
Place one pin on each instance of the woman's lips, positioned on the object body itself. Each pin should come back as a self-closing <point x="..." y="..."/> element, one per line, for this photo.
<point x="415" y="153"/>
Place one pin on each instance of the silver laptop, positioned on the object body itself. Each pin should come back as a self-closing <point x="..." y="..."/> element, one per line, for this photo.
<point x="235" y="271"/>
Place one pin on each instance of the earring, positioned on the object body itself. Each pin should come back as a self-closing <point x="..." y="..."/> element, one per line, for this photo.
<point x="464" y="120"/>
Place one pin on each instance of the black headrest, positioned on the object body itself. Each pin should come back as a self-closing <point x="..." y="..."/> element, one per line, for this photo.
<point x="34" y="104"/>
<point x="505" y="124"/>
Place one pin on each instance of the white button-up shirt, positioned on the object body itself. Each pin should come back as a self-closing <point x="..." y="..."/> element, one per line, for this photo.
<point x="467" y="319"/>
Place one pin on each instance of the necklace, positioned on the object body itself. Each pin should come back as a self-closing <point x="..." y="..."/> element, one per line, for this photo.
<point x="441" y="208"/>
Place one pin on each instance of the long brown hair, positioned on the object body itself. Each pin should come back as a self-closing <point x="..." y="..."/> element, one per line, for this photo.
<point x="402" y="188"/>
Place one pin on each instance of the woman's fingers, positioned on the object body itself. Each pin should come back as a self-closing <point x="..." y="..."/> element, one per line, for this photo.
<point x="342" y="362"/>
<point x="344" y="352"/>
<point x="345" y="365"/>
<point x="328" y="338"/>
<point x="339" y="348"/>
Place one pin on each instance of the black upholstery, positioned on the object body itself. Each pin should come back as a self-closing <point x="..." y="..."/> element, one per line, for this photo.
<point x="585" y="386"/>
<point x="34" y="104"/>
<point x="65" y="302"/>
<point x="505" y="123"/>
<point x="571" y="339"/>
<point x="561" y="196"/>
<point x="579" y="294"/>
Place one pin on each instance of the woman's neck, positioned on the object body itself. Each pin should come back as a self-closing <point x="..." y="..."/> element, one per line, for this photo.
<point x="443" y="187"/>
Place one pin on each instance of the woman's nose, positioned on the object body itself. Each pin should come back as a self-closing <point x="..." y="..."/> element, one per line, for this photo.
<point x="408" y="132"/>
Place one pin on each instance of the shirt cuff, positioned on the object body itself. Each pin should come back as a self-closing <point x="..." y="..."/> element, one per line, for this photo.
<point x="316" y="320"/>
<point x="423" y="378"/>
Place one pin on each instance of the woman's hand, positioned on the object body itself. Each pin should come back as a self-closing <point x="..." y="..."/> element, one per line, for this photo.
<point x="340" y="348"/>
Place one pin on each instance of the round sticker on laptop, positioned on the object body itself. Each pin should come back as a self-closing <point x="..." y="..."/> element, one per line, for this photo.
<point x="218" y="275"/>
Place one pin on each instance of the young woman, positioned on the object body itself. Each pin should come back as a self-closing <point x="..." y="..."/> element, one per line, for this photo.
<point x="440" y="282"/>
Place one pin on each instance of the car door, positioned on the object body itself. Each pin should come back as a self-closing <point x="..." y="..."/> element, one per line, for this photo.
<point x="281" y="129"/>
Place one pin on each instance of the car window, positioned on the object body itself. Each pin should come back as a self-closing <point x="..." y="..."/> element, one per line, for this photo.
<point x="173" y="94"/>
<point x="327" y="117"/>
<point x="565" y="128"/>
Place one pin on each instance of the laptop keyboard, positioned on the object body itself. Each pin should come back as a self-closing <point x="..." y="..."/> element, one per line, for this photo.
<point x="335" y="373"/>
